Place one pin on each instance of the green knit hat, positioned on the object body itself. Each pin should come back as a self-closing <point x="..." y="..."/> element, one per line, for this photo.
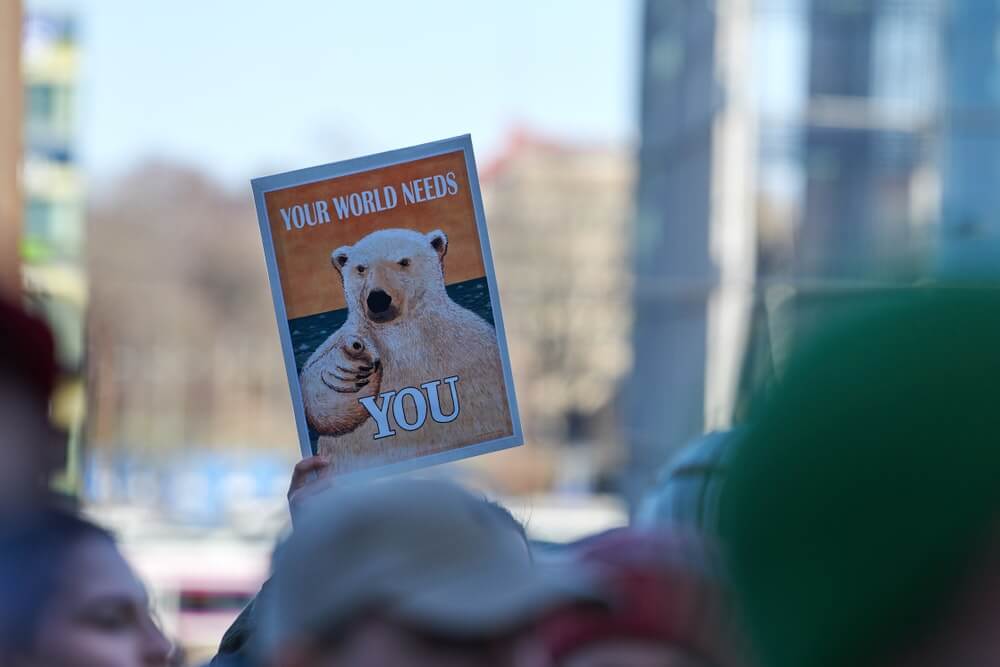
<point x="869" y="479"/>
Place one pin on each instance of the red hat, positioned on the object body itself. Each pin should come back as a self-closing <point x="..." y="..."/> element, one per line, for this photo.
<point x="28" y="350"/>
<point x="657" y="594"/>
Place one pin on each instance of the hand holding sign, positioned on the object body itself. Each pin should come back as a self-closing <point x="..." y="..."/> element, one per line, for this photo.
<point x="310" y="476"/>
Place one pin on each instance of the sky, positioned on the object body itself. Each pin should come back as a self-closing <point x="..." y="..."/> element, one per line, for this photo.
<point x="243" y="89"/>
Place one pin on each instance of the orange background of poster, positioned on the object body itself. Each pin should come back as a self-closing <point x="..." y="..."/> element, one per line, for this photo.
<point x="311" y="285"/>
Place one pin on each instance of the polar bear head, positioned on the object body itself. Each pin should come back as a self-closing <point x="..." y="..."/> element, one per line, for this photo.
<point x="389" y="273"/>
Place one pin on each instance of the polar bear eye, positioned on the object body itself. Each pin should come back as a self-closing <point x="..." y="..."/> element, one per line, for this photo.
<point x="404" y="262"/>
<point x="361" y="269"/>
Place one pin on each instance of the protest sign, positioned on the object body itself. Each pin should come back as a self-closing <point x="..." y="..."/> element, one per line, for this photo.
<point x="387" y="308"/>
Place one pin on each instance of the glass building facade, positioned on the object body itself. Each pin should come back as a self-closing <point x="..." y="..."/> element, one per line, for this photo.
<point x="794" y="150"/>
<point x="849" y="134"/>
<point x="971" y="148"/>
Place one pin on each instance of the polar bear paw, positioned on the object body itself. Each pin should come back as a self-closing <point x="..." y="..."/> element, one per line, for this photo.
<point x="353" y="369"/>
<point x="346" y="369"/>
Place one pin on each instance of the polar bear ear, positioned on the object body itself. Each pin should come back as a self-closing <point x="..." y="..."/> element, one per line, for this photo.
<point x="439" y="241"/>
<point x="339" y="258"/>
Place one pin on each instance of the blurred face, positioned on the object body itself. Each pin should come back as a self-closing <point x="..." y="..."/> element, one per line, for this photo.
<point x="631" y="653"/>
<point x="100" y="618"/>
<point x="377" y="642"/>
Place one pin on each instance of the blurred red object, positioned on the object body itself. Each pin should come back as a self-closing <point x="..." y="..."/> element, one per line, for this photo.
<point x="660" y="593"/>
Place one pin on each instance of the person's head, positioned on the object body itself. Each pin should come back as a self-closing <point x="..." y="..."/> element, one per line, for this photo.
<point x="68" y="598"/>
<point x="664" y="611"/>
<point x="408" y="573"/>
<point x="862" y="509"/>
<point x="29" y="447"/>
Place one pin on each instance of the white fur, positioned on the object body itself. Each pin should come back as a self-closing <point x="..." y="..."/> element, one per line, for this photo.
<point x="430" y="337"/>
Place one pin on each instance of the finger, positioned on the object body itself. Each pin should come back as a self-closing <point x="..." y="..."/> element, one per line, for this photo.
<point x="301" y="471"/>
<point x="310" y="463"/>
<point x="302" y="496"/>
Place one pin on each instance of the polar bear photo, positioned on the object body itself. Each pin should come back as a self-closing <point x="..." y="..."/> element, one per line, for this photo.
<point x="403" y="334"/>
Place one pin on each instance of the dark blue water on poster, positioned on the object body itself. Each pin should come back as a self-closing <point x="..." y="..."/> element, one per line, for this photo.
<point x="309" y="332"/>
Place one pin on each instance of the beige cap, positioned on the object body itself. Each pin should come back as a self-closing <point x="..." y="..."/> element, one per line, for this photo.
<point x="424" y="552"/>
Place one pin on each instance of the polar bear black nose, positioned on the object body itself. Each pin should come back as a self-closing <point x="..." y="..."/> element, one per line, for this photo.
<point x="378" y="301"/>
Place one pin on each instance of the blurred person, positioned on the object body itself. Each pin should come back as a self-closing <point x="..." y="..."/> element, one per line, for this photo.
<point x="68" y="599"/>
<point x="407" y="573"/>
<point x="30" y="448"/>
<point x="861" y="513"/>
<point x="664" y="611"/>
<point x="685" y="491"/>
<point x="311" y="477"/>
